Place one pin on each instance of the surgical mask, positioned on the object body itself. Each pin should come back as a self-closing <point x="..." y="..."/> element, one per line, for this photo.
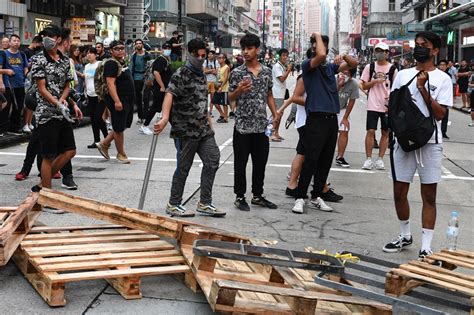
<point x="167" y="52"/>
<point x="422" y="54"/>
<point x="49" y="43"/>
<point x="196" y="62"/>
<point x="346" y="79"/>
<point x="380" y="56"/>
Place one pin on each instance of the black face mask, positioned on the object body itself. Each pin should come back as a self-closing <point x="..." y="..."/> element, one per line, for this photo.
<point x="422" y="54"/>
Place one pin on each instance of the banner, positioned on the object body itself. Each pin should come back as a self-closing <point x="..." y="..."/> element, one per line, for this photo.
<point x="268" y="14"/>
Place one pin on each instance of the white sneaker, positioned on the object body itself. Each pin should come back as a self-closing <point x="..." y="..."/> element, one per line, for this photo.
<point x="299" y="206"/>
<point x="471" y="124"/>
<point x="319" y="204"/>
<point x="31" y="127"/>
<point x="145" y="130"/>
<point x="368" y="164"/>
<point x="108" y="124"/>
<point x="379" y="165"/>
<point x="26" y="129"/>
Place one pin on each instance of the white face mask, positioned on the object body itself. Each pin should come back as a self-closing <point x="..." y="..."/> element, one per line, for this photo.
<point x="167" y="52"/>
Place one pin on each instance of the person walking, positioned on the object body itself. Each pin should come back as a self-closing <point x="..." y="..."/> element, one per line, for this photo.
<point x="191" y="129"/>
<point x="221" y="97"/>
<point x="138" y="66"/>
<point x="463" y="75"/>
<point x="443" y="66"/>
<point x="280" y="72"/>
<point x="431" y="87"/>
<point x="250" y="86"/>
<point x="210" y="68"/>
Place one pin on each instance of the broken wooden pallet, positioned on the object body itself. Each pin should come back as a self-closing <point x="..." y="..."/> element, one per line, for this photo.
<point x="438" y="270"/>
<point x="51" y="257"/>
<point x="15" y="222"/>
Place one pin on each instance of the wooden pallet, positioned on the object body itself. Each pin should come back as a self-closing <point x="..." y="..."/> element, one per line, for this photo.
<point x="408" y="276"/>
<point x="51" y="257"/>
<point x="15" y="222"/>
<point x="240" y="287"/>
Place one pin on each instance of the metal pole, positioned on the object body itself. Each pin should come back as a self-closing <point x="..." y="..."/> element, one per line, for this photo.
<point x="263" y="33"/>
<point x="283" y="22"/>
<point x="149" y="164"/>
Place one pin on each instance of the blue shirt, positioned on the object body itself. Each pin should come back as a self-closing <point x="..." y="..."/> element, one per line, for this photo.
<point x="321" y="88"/>
<point x="17" y="62"/>
<point x="138" y="67"/>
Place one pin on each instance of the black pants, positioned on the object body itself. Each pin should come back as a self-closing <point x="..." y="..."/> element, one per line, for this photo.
<point x="12" y="122"/>
<point x="96" y="109"/>
<point x="257" y="146"/>
<point x="321" y="137"/>
<point x="444" y="122"/>
<point x="32" y="151"/>
<point x="139" y="98"/>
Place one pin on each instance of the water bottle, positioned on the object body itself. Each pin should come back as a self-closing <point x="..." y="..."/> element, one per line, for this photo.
<point x="453" y="231"/>
<point x="269" y="129"/>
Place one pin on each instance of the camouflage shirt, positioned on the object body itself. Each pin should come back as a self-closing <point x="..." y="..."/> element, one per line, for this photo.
<point x="189" y="115"/>
<point x="251" y="109"/>
<point x="57" y="75"/>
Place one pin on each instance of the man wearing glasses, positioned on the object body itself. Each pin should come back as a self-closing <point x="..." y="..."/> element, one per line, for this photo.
<point x="186" y="99"/>
<point x="119" y="101"/>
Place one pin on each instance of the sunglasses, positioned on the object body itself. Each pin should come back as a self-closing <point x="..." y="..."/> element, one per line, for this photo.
<point x="119" y="48"/>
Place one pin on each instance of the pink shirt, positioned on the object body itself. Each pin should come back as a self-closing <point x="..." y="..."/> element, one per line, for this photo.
<point x="379" y="93"/>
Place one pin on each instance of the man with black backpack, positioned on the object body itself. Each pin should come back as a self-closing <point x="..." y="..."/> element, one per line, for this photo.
<point x="418" y="103"/>
<point x="377" y="78"/>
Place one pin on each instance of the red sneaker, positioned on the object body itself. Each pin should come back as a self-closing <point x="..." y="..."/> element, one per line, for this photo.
<point x="21" y="176"/>
<point x="57" y="175"/>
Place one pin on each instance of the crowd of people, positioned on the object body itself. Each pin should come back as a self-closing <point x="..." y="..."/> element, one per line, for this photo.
<point x="49" y="84"/>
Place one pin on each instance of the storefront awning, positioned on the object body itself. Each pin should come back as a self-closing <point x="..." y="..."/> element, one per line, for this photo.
<point x="457" y="15"/>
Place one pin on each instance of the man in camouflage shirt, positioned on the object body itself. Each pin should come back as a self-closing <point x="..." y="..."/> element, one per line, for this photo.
<point x="191" y="129"/>
<point x="51" y="72"/>
<point x="251" y="88"/>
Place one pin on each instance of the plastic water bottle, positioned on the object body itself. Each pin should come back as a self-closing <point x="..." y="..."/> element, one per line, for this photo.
<point x="453" y="231"/>
<point x="269" y="129"/>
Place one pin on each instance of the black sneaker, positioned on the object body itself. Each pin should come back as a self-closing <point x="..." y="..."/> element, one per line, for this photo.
<point x="342" y="162"/>
<point x="261" y="201"/>
<point x="220" y="119"/>
<point x="291" y="192"/>
<point x="445" y="136"/>
<point x="92" y="146"/>
<point x="398" y="244"/>
<point x="231" y="115"/>
<point x="241" y="204"/>
<point x="69" y="183"/>
<point x="331" y="196"/>
<point x="425" y="253"/>
<point x="36" y="188"/>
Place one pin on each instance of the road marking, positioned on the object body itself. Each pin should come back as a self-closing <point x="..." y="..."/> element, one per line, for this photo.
<point x="448" y="174"/>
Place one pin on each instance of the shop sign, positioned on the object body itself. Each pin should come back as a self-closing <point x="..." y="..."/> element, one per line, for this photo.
<point x="375" y="41"/>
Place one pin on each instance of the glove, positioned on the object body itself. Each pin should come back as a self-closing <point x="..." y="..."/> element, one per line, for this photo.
<point x="65" y="112"/>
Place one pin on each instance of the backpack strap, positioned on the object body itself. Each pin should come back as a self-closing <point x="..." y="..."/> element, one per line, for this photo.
<point x="391" y="73"/>
<point x="430" y="109"/>
<point x="134" y="59"/>
<point x="371" y="74"/>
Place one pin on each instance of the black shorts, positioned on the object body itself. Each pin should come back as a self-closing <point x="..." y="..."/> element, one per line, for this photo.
<point x="472" y="100"/>
<point x="300" y="147"/>
<point x="463" y="87"/>
<point x="158" y="99"/>
<point x="221" y="98"/>
<point x="56" y="137"/>
<point x="372" y="120"/>
<point x="120" y="119"/>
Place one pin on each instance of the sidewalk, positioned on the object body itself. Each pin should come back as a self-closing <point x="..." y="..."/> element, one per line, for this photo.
<point x="459" y="106"/>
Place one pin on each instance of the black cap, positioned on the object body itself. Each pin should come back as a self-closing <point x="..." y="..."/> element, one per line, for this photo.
<point x="116" y="43"/>
<point x="166" y="45"/>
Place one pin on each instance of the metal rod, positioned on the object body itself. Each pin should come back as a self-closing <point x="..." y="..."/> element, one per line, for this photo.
<point x="149" y="165"/>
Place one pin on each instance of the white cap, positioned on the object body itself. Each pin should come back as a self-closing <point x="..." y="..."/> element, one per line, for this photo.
<point x="382" y="46"/>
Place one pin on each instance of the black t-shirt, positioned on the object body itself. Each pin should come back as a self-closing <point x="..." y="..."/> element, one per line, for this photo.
<point x="104" y="56"/>
<point x="162" y="65"/>
<point x="463" y="80"/>
<point x="175" y="50"/>
<point x="124" y="82"/>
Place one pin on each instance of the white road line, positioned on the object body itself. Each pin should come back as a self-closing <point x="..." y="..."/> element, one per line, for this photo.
<point x="448" y="175"/>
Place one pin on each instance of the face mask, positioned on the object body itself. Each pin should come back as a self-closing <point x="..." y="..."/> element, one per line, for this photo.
<point x="196" y="62"/>
<point x="167" y="52"/>
<point x="422" y="54"/>
<point x="49" y="43"/>
<point x="346" y="79"/>
<point x="380" y="56"/>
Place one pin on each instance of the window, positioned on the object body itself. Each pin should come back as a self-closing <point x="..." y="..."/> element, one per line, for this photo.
<point x="391" y="5"/>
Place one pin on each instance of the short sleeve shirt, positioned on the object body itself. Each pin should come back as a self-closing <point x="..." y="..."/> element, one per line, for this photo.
<point x="350" y="91"/>
<point x="189" y="115"/>
<point x="279" y="88"/>
<point x="124" y="82"/>
<point x="251" y="107"/>
<point x="16" y="62"/>
<point x="162" y="65"/>
<point x="44" y="67"/>
<point x="379" y="93"/>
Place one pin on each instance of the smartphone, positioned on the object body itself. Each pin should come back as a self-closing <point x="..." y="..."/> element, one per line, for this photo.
<point x="247" y="79"/>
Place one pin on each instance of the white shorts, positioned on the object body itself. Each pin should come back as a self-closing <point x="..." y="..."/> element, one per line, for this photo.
<point x="427" y="160"/>
<point x="339" y="119"/>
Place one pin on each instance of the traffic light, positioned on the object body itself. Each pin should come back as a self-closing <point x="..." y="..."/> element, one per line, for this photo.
<point x="451" y="37"/>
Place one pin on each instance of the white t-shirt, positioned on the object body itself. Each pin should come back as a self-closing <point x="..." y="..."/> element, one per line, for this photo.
<point x="300" y="119"/>
<point x="279" y="87"/>
<point x="89" y="72"/>
<point x="441" y="90"/>
<point x="214" y="64"/>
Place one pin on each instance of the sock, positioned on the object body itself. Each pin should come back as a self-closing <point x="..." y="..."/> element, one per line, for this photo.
<point x="426" y="237"/>
<point x="405" y="229"/>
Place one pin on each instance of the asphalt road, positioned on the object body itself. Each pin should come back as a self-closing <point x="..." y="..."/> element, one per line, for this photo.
<point x="362" y="222"/>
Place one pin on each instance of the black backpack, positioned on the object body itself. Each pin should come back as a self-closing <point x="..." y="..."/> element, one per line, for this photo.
<point x="408" y="124"/>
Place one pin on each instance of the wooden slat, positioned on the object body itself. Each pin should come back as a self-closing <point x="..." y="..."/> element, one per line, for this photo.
<point x="55" y="229"/>
<point x="96" y="240"/>
<point x="441" y="270"/>
<point x="86" y="249"/>
<point x="453" y="261"/>
<point x="15" y="219"/>
<point x="129" y="262"/>
<point x="105" y="256"/>
<point x="459" y="252"/>
<point x="80" y="234"/>
<point x="107" y="274"/>
<point x="8" y="209"/>
<point x="439" y="275"/>
<point x="456" y="257"/>
<point x="3" y="217"/>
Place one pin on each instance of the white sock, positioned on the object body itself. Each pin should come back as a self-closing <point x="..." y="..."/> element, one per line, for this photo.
<point x="426" y="237"/>
<point x="405" y="229"/>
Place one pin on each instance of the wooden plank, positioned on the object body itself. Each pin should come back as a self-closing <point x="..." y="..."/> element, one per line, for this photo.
<point x="49" y="229"/>
<point x="16" y="218"/>
<point x="84" y="249"/>
<point x="108" y="274"/>
<point x="8" y="209"/>
<point x="453" y="261"/>
<point x="255" y="307"/>
<point x="129" y="262"/>
<point x="459" y="252"/>
<point x="438" y="275"/>
<point x="106" y="256"/>
<point x="456" y="257"/>
<point x="3" y="217"/>
<point x="80" y="234"/>
<point x="443" y="271"/>
<point x="96" y="240"/>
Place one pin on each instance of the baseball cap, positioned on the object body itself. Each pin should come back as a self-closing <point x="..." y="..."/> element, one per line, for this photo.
<point x="382" y="46"/>
<point x="166" y="45"/>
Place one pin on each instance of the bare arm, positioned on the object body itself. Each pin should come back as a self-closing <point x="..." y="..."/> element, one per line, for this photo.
<point x="285" y="75"/>
<point x="320" y="56"/>
<point x="41" y="83"/>
<point x="348" y="63"/>
<point x="112" y="89"/>
<point x="350" y="106"/>
<point x="271" y="104"/>
<point x="158" y="79"/>
<point x="439" y="110"/>
<point x="371" y="84"/>
<point x="167" y="105"/>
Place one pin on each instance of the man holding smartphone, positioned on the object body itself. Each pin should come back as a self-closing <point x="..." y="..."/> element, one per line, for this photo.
<point x="251" y="89"/>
